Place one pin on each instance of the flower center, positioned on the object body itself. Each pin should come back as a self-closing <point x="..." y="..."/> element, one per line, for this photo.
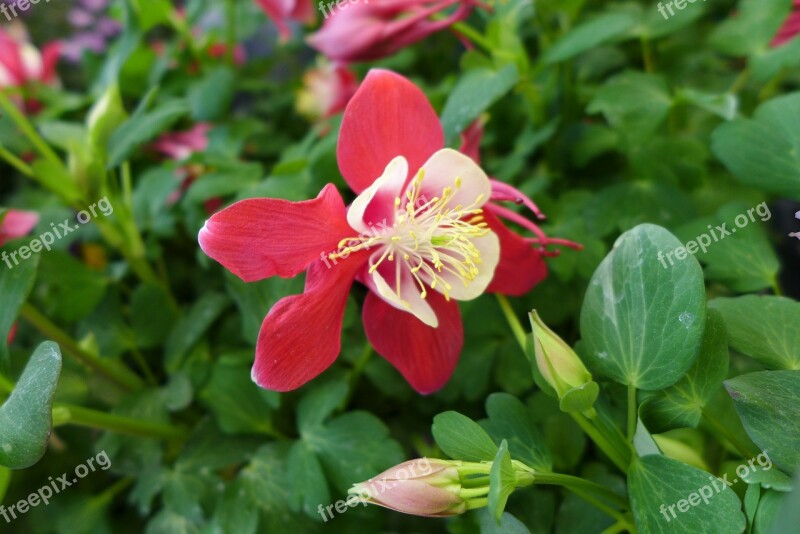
<point x="428" y="239"/>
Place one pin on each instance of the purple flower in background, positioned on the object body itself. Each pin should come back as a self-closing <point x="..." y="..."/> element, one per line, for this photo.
<point x="94" y="29"/>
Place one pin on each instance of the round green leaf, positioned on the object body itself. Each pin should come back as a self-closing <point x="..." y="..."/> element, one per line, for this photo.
<point x="669" y="496"/>
<point x="642" y="322"/>
<point x="26" y="417"/>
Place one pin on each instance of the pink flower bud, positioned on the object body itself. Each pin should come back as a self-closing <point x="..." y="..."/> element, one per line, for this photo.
<point x="421" y="487"/>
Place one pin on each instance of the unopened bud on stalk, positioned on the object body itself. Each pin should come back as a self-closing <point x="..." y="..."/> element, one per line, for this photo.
<point x="432" y="487"/>
<point x="563" y="370"/>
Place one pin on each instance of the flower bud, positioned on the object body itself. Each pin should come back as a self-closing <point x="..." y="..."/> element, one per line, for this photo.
<point x="421" y="487"/>
<point x="562" y="369"/>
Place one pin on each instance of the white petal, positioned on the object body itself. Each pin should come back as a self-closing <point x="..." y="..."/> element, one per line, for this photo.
<point x="379" y="198"/>
<point x="441" y="171"/>
<point x="489" y="248"/>
<point x="411" y="301"/>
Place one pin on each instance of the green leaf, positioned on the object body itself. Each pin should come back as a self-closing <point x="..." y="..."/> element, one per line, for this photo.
<point x="239" y="405"/>
<point x="15" y="286"/>
<point x="152" y="315"/>
<point x="353" y="447"/>
<point x="211" y="97"/>
<point x="768" y="402"/>
<point x="192" y="326"/>
<point x="508" y="524"/>
<point x="634" y="103"/>
<point x="56" y="178"/>
<point x="657" y="485"/>
<point x="751" y="30"/>
<point x="141" y="128"/>
<point x="510" y="420"/>
<point x="788" y="516"/>
<point x="461" y="438"/>
<point x="770" y="505"/>
<point x="744" y="260"/>
<point x="681" y="404"/>
<point x="768" y="478"/>
<point x="502" y="481"/>
<point x="26" y="417"/>
<point x="642" y="323"/>
<point x="625" y="205"/>
<point x="309" y="486"/>
<point x="68" y="288"/>
<point x="476" y="91"/>
<point x="764" y="328"/>
<point x="589" y="35"/>
<point x="254" y="300"/>
<point x="319" y="404"/>
<point x="764" y="152"/>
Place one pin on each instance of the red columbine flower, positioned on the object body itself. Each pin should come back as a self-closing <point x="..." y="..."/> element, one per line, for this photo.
<point x="364" y="30"/>
<point x="282" y="11"/>
<point x="791" y="28"/>
<point x="417" y="236"/>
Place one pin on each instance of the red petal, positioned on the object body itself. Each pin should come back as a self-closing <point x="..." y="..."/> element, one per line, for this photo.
<point x="50" y="55"/>
<point x="521" y="266"/>
<point x="425" y="356"/>
<point x="301" y="335"/>
<point x="389" y="116"/>
<point x="263" y="237"/>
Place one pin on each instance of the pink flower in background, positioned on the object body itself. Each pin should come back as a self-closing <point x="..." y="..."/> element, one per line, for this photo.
<point x="326" y="91"/>
<point x="14" y="224"/>
<point x="22" y="64"/>
<point x="790" y="29"/>
<point x="282" y="11"/>
<point x="181" y="145"/>
<point x="363" y="31"/>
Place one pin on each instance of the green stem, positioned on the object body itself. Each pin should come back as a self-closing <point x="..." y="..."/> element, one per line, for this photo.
<point x="600" y="440"/>
<point x="473" y="35"/>
<point x="514" y="323"/>
<point x="593" y="433"/>
<point x="64" y="414"/>
<point x="632" y="412"/>
<point x="471" y="493"/>
<point x="144" y="367"/>
<point x="740" y="82"/>
<point x="28" y="130"/>
<point x="355" y="375"/>
<point x="231" y="31"/>
<point x="619" y="526"/>
<point x="745" y="449"/>
<point x="110" y="369"/>
<point x="581" y="484"/>
<point x="17" y="163"/>
<point x="474" y="504"/>
<point x="620" y="517"/>
<point x="776" y="288"/>
<point x="647" y="55"/>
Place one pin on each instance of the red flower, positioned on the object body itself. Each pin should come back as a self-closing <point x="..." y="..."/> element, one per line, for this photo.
<point x="362" y="30"/>
<point x="282" y="11"/>
<point x="418" y="240"/>
<point x="790" y="29"/>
